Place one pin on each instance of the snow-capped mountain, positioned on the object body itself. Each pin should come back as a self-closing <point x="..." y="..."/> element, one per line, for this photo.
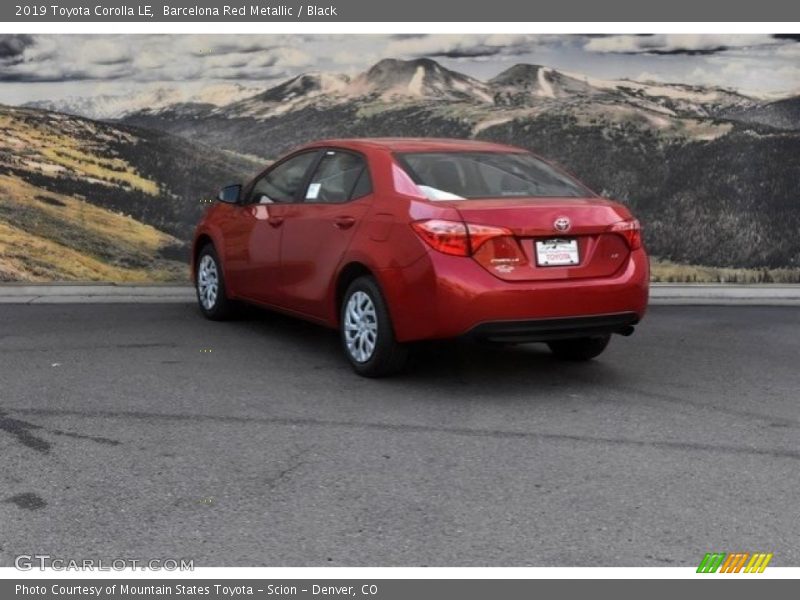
<point x="417" y="97"/>
<point x="389" y="80"/>
<point x="411" y="81"/>
<point x="678" y="98"/>
<point x="116" y="106"/>
<point x="421" y="78"/>
<point x="524" y="83"/>
<point x="288" y="96"/>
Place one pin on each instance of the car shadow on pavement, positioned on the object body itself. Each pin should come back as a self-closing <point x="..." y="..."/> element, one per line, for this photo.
<point x="435" y="363"/>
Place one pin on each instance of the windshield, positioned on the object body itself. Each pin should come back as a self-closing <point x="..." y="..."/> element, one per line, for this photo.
<point x="472" y="175"/>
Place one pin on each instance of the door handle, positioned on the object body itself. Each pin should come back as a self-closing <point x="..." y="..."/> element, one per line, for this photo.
<point x="344" y="222"/>
<point x="275" y="221"/>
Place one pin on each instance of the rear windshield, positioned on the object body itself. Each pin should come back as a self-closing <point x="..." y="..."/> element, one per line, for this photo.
<point x="473" y="175"/>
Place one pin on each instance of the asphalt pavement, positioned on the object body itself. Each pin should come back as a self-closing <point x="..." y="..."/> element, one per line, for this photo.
<point x="145" y="431"/>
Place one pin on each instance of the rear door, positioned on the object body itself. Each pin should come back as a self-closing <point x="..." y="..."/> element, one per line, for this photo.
<point x="319" y="228"/>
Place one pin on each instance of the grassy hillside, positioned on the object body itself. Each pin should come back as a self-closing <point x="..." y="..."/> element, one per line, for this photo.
<point x="48" y="236"/>
<point x="665" y="271"/>
<point x="81" y="200"/>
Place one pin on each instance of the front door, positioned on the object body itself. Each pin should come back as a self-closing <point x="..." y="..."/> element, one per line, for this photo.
<point x="253" y="242"/>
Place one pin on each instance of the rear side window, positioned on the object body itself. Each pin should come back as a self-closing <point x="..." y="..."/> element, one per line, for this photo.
<point x="339" y="177"/>
<point x="282" y="184"/>
<point x="468" y="175"/>
<point x="363" y="185"/>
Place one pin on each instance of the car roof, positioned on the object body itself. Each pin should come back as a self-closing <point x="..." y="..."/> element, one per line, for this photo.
<point x="409" y="144"/>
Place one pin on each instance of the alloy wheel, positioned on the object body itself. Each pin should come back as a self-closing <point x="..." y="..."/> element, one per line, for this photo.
<point x="207" y="282"/>
<point x="360" y="326"/>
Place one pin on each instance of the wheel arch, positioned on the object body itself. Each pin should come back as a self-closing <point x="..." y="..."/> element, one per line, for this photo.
<point x="201" y="240"/>
<point x="347" y="275"/>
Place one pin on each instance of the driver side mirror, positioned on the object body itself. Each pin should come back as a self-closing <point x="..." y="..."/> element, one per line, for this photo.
<point x="230" y="193"/>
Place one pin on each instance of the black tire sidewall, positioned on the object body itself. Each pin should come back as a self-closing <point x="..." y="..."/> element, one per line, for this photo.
<point x="221" y="306"/>
<point x="389" y="356"/>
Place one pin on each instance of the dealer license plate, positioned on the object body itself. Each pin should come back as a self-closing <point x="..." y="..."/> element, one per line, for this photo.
<point x="557" y="252"/>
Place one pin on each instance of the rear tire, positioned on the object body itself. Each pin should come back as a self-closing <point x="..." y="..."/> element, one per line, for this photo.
<point x="579" y="349"/>
<point x="210" y="286"/>
<point x="366" y="331"/>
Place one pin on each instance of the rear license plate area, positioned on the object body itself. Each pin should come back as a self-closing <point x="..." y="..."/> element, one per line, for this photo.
<point x="557" y="252"/>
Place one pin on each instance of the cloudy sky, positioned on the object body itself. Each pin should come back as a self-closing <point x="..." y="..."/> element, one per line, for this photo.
<point x="35" y="67"/>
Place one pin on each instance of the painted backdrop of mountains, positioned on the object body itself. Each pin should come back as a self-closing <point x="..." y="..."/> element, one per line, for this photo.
<point x="109" y="188"/>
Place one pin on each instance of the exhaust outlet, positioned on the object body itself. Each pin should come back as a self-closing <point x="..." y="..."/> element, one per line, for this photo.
<point x="626" y="331"/>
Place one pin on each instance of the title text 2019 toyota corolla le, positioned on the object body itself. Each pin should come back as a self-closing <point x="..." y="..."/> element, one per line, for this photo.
<point x="397" y="240"/>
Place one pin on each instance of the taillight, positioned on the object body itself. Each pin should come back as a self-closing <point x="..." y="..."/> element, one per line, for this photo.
<point x="631" y="230"/>
<point x="490" y="245"/>
<point x="480" y="234"/>
<point x="449" y="237"/>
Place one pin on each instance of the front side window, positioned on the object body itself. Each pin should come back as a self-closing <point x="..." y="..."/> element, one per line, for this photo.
<point x="339" y="177"/>
<point x="472" y="175"/>
<point x="283" y="183"/>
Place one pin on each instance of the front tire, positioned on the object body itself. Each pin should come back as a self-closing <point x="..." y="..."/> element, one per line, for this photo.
<point x="366" y="331"/>
<point x="210" y="286"/>
<point x="579" y="349"/>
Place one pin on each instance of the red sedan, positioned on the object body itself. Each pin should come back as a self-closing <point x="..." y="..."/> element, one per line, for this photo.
<point x="397" y="240"/>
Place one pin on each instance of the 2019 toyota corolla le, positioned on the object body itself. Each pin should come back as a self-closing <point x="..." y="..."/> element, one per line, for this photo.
<point x="397" y="240"/>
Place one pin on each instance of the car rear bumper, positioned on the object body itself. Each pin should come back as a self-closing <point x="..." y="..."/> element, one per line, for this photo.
<point x="445" y="296"/>
<point x="544" y="330"/>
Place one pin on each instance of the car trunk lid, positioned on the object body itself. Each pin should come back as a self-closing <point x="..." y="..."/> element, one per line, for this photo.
<point x="562" y="226"/>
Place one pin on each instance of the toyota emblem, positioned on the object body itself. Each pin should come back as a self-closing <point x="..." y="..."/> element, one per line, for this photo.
<point x="561" y="224"/>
